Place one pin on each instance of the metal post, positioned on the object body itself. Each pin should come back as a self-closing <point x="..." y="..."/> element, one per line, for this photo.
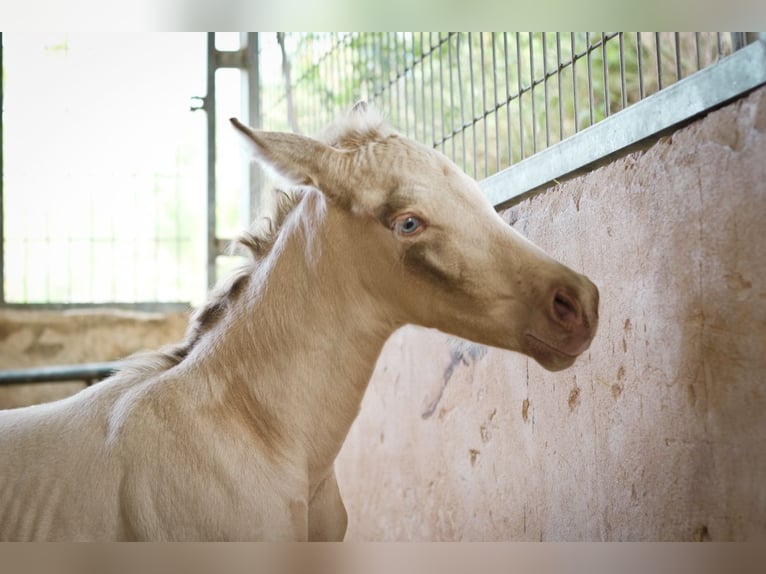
<point x="245" y="59"/>
<point x="251" y="111"/>
<point x="209" y="107"/>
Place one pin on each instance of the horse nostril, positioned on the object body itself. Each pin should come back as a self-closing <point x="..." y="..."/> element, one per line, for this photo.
<point x="565" y="309"/>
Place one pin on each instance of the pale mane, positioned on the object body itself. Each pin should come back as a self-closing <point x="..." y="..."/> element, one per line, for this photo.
<point x="362" y="125"/>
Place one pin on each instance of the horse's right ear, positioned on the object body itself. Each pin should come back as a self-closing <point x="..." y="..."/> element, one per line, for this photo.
<point x="298" y="159"/>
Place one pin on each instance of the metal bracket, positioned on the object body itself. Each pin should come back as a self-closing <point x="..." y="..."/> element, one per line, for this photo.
<point x="199" y="103"/>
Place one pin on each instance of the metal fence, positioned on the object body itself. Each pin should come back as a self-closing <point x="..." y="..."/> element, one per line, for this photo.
<point x="103" y="162"/>
<point x="514" y="110"/>
<point x="487" y="100"/>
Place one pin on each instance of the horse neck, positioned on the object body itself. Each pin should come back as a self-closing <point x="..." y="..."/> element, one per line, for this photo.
<point x="300" y="344"/>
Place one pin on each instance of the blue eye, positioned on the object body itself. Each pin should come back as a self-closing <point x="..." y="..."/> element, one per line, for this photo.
<point x="408" y="225"/>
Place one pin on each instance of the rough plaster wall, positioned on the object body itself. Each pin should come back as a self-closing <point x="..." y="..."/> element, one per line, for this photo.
<point x="658" y="432"/>
<point x="42" y="338"/>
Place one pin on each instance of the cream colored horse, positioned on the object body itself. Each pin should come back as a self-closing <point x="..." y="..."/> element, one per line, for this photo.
<point x="233" y="433"/>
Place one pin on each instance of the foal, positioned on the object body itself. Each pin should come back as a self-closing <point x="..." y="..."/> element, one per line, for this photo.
<point x="232" y="434"/>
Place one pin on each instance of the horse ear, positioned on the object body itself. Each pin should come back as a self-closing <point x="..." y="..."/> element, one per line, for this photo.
<point x="299" y="159"/>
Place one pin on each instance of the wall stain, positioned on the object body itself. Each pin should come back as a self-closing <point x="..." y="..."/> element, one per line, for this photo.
<point x="461" y="352"/>
<point x="474" y="455"/>
<point x="738" y="284"/>
<point x="574" y="398"/>
<point x="691" y="395"/>
<point x="525" y="410"/>
<point x="701" y="534"/>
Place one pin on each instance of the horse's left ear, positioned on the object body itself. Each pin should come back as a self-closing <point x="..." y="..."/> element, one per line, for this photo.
<point x="298" y="159"/>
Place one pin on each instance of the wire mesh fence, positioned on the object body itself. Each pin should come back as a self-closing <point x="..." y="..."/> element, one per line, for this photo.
<point x="487" y="100"/>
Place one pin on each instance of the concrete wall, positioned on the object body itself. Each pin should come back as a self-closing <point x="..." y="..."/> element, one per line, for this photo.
<point x="42" y="338"/>
<point x="658" y="432"/>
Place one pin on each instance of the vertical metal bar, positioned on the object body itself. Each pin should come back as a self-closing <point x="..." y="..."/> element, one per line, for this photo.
<point x="381" y="57"/>
<point x="317" y="89"/>
<point x="451" y="95"/>
<point x="414" y="83"/>
<point x="431" y="83"/>
<point x="348" y="79"/>
<point x="340" y="101"/>
<point x="209" y="107"/>
<point x="423" y="86"/>
<point x="462" y="106"/>
<point x="472" y="115"/>
<point x="2" y="149"/>
<point x="574" y="83"/>
<point x="329" y="64"/>
<point x="589" y="60"/>
<point x="321" y="78"/>
<point x="496" y="102"/>
<point x="518" y="82"/>
<point x="605" y="66"/>
<point x="414" y="87"/>
<point x="363" y="57"/>
<point x="507" y="66"/>
<point x="737" y="41"/>
<point x="371" y="72"/>
<point x="378" y="68"/>
<point x="546" y="91"/>
<point x="532" y="90"/>
<point x="559" y="73"/>
<point x="357" y="81"/>
<point x="679" y="71"/>
<point x="442" y="116"/>
<point x="338" y="80"/>
<point x="367" y="58"/>
<point x="640" y="59"/>
<point x="658" y="47"/>
<point x="484" y="103"/>
<point x="395" y="79"/>
<point x="337" y="57"/>
<point x="251" y="104"/>
<point x="623" y="87"/>
<point x="697" y="50"/>
<point x="404" y="79"/>
<point x="370" y="58"/>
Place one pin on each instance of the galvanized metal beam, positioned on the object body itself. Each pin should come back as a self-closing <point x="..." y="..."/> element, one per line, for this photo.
<point x="87" y="372"/>
<point x="209" y="108"/>
<point x="711" y="87"/>
<point x="251" y="112"/>
<point x="247" y="60"/>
